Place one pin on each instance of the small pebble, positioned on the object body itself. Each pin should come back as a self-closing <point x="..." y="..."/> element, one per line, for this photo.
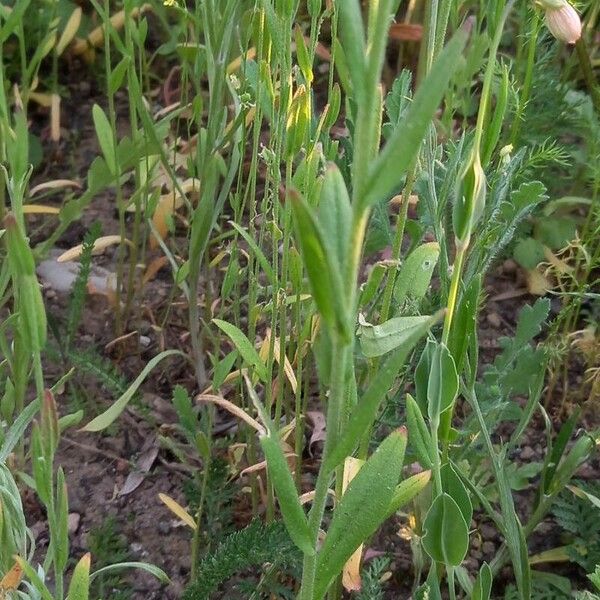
<point x="136" y="548"/>
<point x="144" y="341"/>
<point x="527" y="453"/>
<point x="494" y="320"/>
<point x="488" y="532"/>
<point x="489" y="548"/>
<point x="164" y="528"/>
<point x="73" y="522"/>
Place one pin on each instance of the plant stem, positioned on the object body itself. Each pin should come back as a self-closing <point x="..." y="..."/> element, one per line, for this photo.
<point x="588" y="72"/>
<point x="397" y="244"/>
<point x="528" y="80"/>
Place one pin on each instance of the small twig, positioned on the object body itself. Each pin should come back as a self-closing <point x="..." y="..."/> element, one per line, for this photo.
<point x="95" y="450"/>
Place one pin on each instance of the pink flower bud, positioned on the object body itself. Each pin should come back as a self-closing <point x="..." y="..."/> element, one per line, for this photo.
<point x="564" y="23"/>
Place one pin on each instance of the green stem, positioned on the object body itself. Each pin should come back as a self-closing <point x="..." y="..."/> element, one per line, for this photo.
<point x="195" y="551"/>
<point x="588" y="72"/>
<point x="397" y="245"/>
<point x="528" y="80"/>
<point x="453" y="295"/>
<point x="334" y="411"/>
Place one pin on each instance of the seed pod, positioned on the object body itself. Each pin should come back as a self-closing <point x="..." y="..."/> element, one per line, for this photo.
<point x="470" y="201"/>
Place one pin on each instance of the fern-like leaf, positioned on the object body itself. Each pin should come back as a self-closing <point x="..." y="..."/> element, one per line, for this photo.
<point x="79" y="292"/>
<point x="249" y="548"/>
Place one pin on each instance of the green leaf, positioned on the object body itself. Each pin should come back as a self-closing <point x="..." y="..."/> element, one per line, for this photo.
<point x="324" y="275"/>
<point x="79" y="588"/>
<point x="153" y="570"/>
<point x="454" y="487"/>
<point x="415" y="274"/>
<point x="105" y="137"/>
<point x="223" y="368"/>
<point x="61" y="533"/>
<point x="361" y="510"/>
<point x="370" y="288"/>
<point x="464" y="324"/>
<point x="400" y="151"/>
<point x="529" y="253"/>
<point x="422" y="374"/>
<point x="530" y="321"/>
<point x="13" y="19"/>
<point x="482" y="588"/>
<point x="243" y="346"/>
<point x="17" y="429"/>
<point x="185" y="411"/>
<point x="418" y="434"/>
<point x="335" y="214"/>
<point x="557" y="232"/>
<point x="364" y="413"/>
<point x="304" y="61"/>
<point x="289" y="503"/>
<point x="352" y="37"/>
<point x="446" y="538"/>
<point x="397" y="102"/>
<point x="407" y="490"/>
<point x="376" y="340"/>
<point x="442" y="386"/>
<point x="117" y="74"/>
<point x="110" y="415"/>
<point x="260" y="256"/>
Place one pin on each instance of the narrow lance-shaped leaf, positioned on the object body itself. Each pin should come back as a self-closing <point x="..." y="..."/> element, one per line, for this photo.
<point x="400" y="151"/>
<point x="407" y="490"/>
<point x="362" y="509"/>
<point x="353" y="43"/>
<point x="105" y="137"/>
<point x="243" y="346"/>
<point x="79" y="588"/>
<point x="285" y="488"/>
<point x="323" y="274"/>
<point x="482" y="588"/>
<point x="419" y="437"/>
<point x="111" y="414"/>
<point x="335" y="214"/>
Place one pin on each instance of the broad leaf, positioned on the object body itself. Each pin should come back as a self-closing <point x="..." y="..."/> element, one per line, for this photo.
<point x="376" y="340"/>
<point x="442" y="385"/>
<point x="446" y="537"/>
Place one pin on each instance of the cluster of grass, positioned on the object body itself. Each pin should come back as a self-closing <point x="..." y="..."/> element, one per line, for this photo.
<point x="263" y="154"/>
